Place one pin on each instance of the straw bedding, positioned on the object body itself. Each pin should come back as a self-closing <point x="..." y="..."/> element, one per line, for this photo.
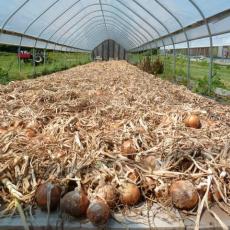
<point x="70" y="126"/>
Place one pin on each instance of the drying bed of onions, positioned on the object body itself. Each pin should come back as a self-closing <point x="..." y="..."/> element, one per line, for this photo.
<point x="105" y="137"/>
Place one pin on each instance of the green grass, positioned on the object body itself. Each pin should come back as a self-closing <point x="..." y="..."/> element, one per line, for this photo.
<point x="199" y="70"/>
<point x="56" y="61"/>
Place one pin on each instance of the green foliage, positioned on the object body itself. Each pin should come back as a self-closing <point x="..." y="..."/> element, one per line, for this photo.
<point x="203" y="63"/>
<point x="202" y="86"/>
<point x="56" y="61"/>
<point x="4" y="76"/>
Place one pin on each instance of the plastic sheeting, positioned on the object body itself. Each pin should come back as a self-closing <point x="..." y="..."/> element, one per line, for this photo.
<point x="135" y="24"/>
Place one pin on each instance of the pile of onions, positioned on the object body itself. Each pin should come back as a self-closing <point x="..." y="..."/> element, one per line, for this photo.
<point x="129" y="194"/>
<point x="75" y="203"/>
<point x="98" y="212"/>
<point x="108" y="194"/>
<point x="193" y="121"/>
<point x="42" y="195"/>
<point x="184" y="195"/>
<point x="128" y="148"/>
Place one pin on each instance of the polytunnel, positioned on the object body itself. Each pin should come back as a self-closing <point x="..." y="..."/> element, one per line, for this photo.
<point x="114" y="114"/>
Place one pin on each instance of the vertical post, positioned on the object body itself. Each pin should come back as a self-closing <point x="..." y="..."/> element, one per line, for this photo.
<point x="119" y="50"/>
<point x="165" y="56"/>
<point x="188" y="65"/>
<point x="113" y="50"/>
<point x="19" y="59"/>
<point x="65" y="57"/>
<point x="108" y="51"/>
<point x="210" y="75"/>
<point x="44" y="62"/>
<point x="174" y="61"/>
<point x="139" y="53"/>
<point x="33" y="62"/>
<point x="102" y="52"/>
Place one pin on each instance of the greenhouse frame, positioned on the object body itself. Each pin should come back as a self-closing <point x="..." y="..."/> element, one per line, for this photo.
<point x="114" y="114"/>
<point x="136" y="25"/>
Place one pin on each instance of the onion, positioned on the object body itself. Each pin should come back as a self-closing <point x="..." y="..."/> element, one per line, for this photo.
<point x="193" y="121"/>
<point x="99" y="92"/>
<point x="128" y="148"/>
<point x="98" y="212"/>
<point x="41" y="196"/>
<point x="129" y="194"/>
<point x="75" y="203"/>
<point x="149" y="162"/>
<point x="215" y="194"/>
<point x="2" y="130"/>
<point x="184" y="195"/>
<point x="30" y="133"/>
<point x="108" y="193"/>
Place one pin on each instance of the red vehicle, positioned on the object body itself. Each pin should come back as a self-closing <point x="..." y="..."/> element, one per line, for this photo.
<point x="27" y="56"/>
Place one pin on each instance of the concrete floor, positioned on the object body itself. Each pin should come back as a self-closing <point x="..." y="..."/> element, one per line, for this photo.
<point x="135" y="219"/>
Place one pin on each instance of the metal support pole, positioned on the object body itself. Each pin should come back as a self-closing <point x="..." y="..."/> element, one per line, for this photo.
<point x="19" y="59"/>
<point x="188" y="66"/>
<point x="174" y="62"/>
<point x="119" y="50"/>
<point x="210" y="75"/>
<point x="108" y="51"/>
<point x="185" y="34"/>
<point x="45" y="57"/>
<point x="33" y="62"/>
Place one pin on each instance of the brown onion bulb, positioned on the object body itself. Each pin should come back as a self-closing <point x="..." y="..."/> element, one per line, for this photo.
<point x="149" y="162"/>
<point x="2" y="130"/>
<point x="30" y="133"/>
<point x="215" y="194"/>
<point x="129" y="194"/>
<point x="108" y="193"/>
<point x="99" y="92"/>
<point x="98" y="212"/>
<point x="128" y="148"/>
<point x="41" y="196"/>
<point x="75" y="203"/>
<point x="193" y="121"/>
<point x="184" y="195"/>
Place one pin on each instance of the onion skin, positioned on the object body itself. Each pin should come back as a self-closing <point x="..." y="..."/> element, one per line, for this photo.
<point x="149" y="162"/>
<point x="193" y="121"/>
<point x="98" y="212"/>
<point x="148" y="184"/>
<point x="41" y="196"/>
<point x="184" y="195"/>
<point x="129" y="194"/>
<point x="133" y="175"/>
<point x="30" y="133"/>
<point x="108" y="194"/>
<point x="128" y="148"/>
<point x="75" y="203"/>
